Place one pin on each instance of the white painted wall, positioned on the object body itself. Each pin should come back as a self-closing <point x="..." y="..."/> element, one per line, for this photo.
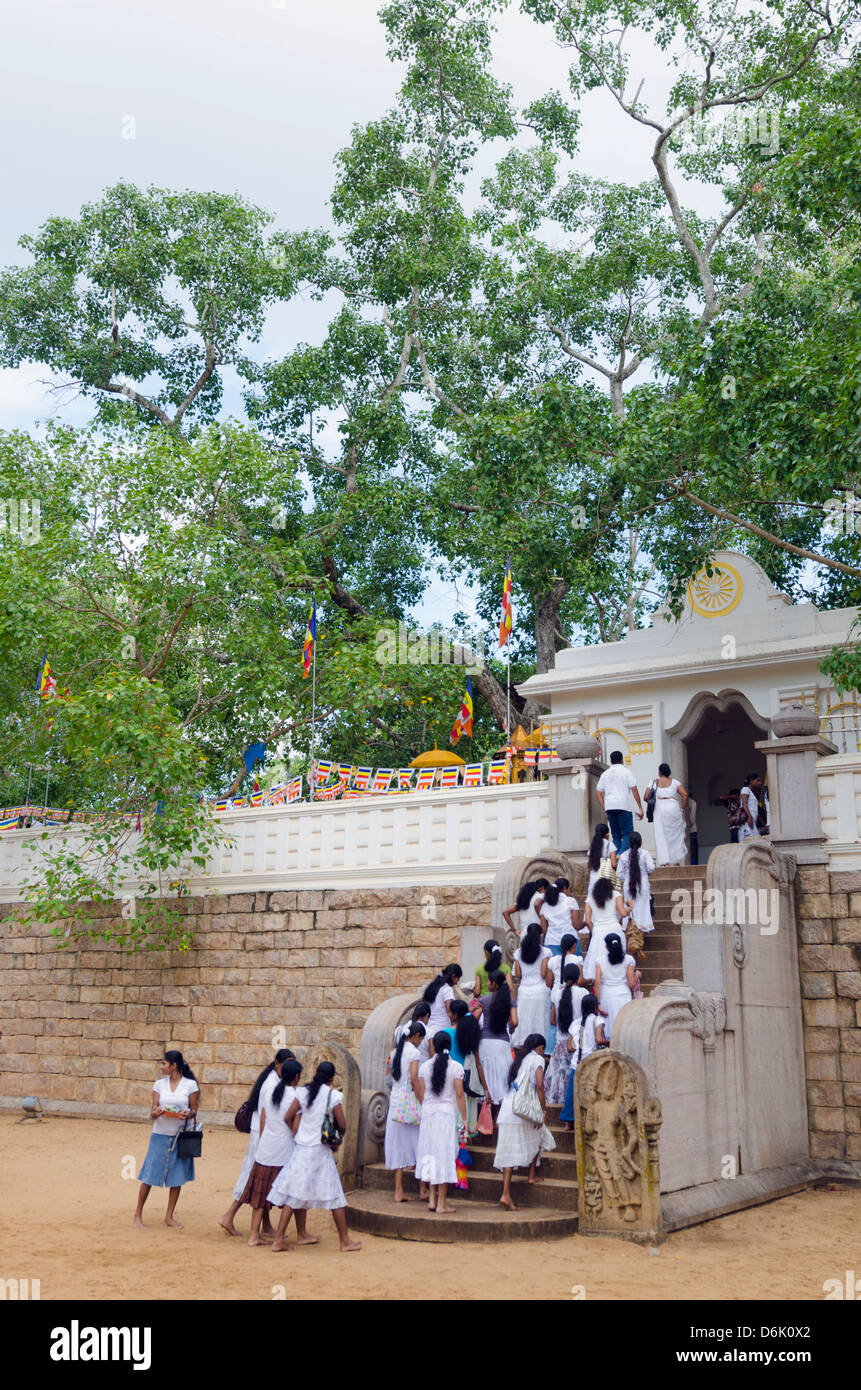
<point x="437" y="837"/>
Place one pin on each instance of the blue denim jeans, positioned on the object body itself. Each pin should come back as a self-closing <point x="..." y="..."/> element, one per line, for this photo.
<point x="621" y="824"/>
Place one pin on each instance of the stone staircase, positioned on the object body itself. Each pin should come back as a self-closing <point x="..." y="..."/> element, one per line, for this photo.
<point x="664" y="945"/>
<point x="547" y="1209"/>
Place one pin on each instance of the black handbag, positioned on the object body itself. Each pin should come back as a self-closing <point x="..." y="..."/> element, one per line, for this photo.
<point x="330" y="1135"/>
<point x="242" y="1118"/>
<point x="651" y="797"/>
<point x="189" y="1142"/>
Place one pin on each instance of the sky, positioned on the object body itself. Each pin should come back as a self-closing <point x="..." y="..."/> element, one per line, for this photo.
<point x="246" y="96"/>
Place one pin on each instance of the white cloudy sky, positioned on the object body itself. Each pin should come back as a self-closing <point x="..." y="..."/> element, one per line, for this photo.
<point x="252" y="96"/>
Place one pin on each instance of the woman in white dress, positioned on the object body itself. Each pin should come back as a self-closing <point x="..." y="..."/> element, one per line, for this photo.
<point x="671" y="798"/>
<point x="602" y="859"/>
<point x="520" y="1143"/>
<point x="310" y="1178"/>
<point x="614" y="981"/>
<point x="402" y="1121"/>
<point x="527" y="906"/>
<point x="605" y="910"/>
<point x="566" y="998"/>
<point x="533" y="994"/>
<point x="440" y="1090"/>
<point x="588" y="1034"/>
<point x="260" y="1091"/>
<point x="499" y="1018"/>
<point x="438" y="994"/>
<point x="273" y="1150"/>
<point x="636" y="866"/>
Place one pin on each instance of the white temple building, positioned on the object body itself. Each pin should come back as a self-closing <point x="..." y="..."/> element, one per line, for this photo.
<point x="700" y="691"/>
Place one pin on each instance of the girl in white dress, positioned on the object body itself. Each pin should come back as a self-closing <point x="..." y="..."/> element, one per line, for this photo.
<point x="310" y="1178"/>
<point x="527" y="906"/>
<point x="671" y="798"/>
<point x="601" y="860"/>
<point x="533" y="994"/>
<point x="260" y="1091"/>
<point x="499" y="1020"/>
<point x="402" y="1130"/>
<point x="565" y="1000"/>
<point x="614" y="981"/>
<point x="588" y="1034"/>
<point x="273" y="1150"/>
<point x="636" y="866"/>
<point x="438" y="993"/>
<point x="605" y="910"/>
<point x="421" y="1014"/>
<point x="440" y="1090"/>
<point x="519" y="1141"/>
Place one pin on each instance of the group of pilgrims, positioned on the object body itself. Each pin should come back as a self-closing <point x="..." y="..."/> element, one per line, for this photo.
<point x="460" y="1066"/>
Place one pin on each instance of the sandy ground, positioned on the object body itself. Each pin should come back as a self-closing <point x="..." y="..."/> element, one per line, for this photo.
<point x="66" y="1219"/>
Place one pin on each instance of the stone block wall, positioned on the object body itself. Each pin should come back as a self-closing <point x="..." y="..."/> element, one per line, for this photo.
<point x="84" y="1028"/>
<point x="829" y="931"/>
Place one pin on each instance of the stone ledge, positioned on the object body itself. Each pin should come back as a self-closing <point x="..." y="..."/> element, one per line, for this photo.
<point x="92" y="1110"/>
<point x="692" y="1205"/>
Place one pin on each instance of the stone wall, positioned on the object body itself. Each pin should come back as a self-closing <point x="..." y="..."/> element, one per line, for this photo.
<point x="829" y="928"/>
<point x="84" y="1028"/>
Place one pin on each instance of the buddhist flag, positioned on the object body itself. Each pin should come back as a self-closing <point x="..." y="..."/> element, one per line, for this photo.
<point x="46" y="685"/>
<point x="505" y="617"/>
<point x="463" y="723"/>
<point x="310" y="638"/>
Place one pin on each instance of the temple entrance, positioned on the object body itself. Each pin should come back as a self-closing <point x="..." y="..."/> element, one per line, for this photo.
<point x="712" y="749"/>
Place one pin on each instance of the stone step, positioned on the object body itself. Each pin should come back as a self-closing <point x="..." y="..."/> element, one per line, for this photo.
<point x="689" y="871"/>
<point x="560" y="1194"/>
<point x="561" y="1163"/>
<point x="375" y="1212"/>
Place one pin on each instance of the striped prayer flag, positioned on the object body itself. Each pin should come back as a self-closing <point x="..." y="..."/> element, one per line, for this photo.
<point x="310" y="637"/>
<point x="405" y="779"/>
<point x="498" y="772"/>
<point x="345" y="772"/>
<point x="46" y="684"/>
<point x="9" y="824"/>
<point x="256" y="799"/>
<point x="294" y="788"/>
<point x="463" y="723"/>
<point x="505" y="618"/>
<point x="362" y="778"/>
<point x="382" y="779"/>
<point x="324" y="772"/>
<point x="473" y="775"/>
<point x="449" y="777"/>
<point x="223" y="805"/>
<point x="425" y="779"/>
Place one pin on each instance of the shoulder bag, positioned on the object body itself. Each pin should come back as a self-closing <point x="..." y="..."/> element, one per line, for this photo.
<point x="189" y="1142"/>
<point x="651" y="798"/>
<point x="330" y="1135"/>
<point x="243" y="1117"/>
<point x="526" y="1102"/>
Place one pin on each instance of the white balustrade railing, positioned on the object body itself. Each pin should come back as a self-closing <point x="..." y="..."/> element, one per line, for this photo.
<point x="838" y="779"/>
<point x="436" y="837"/>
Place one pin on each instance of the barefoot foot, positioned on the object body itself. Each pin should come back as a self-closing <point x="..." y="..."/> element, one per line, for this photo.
<point x="444" y="1211"/>
<point x="138" y="1224"/>
<point x="278" y="1248"/>
<point x="172" y="1221"/>
<point x="508" y="1204"/>
<point x="348" y="1245"/>
<point x="228" y="1227"/>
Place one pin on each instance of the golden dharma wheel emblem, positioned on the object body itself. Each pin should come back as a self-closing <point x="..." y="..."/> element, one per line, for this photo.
<point x="711" y="596"/>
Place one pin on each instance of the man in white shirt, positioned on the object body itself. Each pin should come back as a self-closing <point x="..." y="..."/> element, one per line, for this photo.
<point x="614" y="794"/>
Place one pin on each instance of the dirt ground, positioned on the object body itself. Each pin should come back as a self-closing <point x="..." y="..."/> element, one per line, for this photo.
<point x="66" y="1219"/>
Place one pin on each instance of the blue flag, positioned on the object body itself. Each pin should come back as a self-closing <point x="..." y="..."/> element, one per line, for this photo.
<point x="255" y="752"/>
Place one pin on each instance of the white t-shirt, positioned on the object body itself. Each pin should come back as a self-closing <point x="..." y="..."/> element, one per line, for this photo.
<point x="615" y="783"/>
<point x="439" y="1018"/>
<point x="177" y="1100"/>
<point x="559" y="919"/>
<point x="265" y="1092"/>
<point x="276" y="1141"/>
<point x="530" y="975"/>
<point x="311" y="1123"/>
<point x="578" y="994"/>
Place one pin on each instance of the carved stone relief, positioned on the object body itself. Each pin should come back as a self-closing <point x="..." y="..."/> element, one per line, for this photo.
<point x="618" y="1171"/>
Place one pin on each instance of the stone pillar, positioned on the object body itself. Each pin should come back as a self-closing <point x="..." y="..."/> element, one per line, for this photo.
<point x="792" y="785"/>
<point x="617" y="1124"/>
<point x="574" y="807"/>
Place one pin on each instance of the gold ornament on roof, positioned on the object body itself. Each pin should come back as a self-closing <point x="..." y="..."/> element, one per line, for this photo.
<point x="713" y="595"/>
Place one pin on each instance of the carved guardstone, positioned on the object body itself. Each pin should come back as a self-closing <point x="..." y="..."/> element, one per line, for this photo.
<point x="617" y="1124"/>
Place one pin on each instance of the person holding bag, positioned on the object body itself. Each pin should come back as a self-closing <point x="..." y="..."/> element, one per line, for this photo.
<point x="175" y="1097"/>
<point x="310" y="1179"/>
<point x="247" y="1121"/>
<point x="522" y="1133"/>
<point x="404" y="1116"/>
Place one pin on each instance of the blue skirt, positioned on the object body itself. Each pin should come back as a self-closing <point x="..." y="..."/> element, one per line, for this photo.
<point x="566" y="1114"/>
<point x="162" y="1168"/>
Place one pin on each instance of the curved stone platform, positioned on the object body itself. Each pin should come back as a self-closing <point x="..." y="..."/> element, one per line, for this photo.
<point x="372" y="1210"/>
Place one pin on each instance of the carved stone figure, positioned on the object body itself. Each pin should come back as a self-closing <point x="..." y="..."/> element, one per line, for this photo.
<point x="617" y="1125"/>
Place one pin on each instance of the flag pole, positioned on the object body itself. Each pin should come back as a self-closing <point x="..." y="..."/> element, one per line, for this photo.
<point x="508" y="693"/>
<point x="314" y="708"/>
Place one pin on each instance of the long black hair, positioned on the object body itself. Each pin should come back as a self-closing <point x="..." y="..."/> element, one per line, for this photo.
<point x="499" y="1008"/>
<point x="589" y="1006"/>
<point x="530" y="947"/>
<point x="493" y="951"/>
<point x="176" y="1059"/>
<point x="534" y="1040"/>
<point x="322" y="1077"/>
<point x="284" y="1055"/>
<point x="602" y="891"/>
<point x="635" y="876"/>
<point x="449" y="976"/>
<point x="528" y="891"/>
<point x="467" y="1029"/>
<point x="615" y="949"/>
<point x="441" y="1046"/>
<point x="290" y="1072"/>
<point x="411" y="1030"/>
<point x="596" y="848"/>
<point x="565" y="1011"/>
<point x="569" y="941"/>
<point x="421" y="1010"/>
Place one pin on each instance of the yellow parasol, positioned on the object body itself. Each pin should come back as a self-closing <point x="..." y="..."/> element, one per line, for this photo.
<point x="437" y="757"/>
